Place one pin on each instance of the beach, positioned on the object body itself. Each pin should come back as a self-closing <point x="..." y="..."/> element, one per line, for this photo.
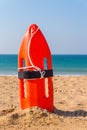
<point x="70" y="106"/>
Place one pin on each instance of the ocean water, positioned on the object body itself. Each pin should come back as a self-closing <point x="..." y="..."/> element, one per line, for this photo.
<point x="62" y="64"/>
<point x="70" y="64"/>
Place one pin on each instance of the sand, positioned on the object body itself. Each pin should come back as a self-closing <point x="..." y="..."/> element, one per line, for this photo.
<point x="70" y="106"/>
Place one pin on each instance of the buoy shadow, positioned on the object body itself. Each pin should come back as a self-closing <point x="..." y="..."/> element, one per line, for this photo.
<point x="76" y="113"/>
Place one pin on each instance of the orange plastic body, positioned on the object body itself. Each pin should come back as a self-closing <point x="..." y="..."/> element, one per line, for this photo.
<point x="33" y="92"/>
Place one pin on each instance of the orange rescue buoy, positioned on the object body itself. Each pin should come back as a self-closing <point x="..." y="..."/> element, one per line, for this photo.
<point x="35" y="70"/>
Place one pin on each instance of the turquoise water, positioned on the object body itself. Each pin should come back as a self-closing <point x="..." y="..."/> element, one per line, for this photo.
<point x="62" y="64"/>
<point x="8" y="64"/>
<point x="70" y="64"/>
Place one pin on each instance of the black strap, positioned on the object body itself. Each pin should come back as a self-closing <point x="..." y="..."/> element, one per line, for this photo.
<point x="29" y="74"/>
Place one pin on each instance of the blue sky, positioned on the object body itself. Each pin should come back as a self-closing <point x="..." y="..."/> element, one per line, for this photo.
<point x="63" y="22"/>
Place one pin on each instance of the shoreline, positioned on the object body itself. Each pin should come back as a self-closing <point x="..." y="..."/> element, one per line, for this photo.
<point x="53" y="75"/>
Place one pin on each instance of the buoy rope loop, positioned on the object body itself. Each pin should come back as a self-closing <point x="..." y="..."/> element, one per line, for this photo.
<point x="29" y="43"/>
<point x="36" y="68"/>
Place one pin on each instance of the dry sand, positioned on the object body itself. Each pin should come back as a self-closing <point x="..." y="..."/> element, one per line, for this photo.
<point x="70" y="106"/>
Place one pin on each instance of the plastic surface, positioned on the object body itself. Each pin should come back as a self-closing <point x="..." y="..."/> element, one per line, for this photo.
<point x="33" y="52"/>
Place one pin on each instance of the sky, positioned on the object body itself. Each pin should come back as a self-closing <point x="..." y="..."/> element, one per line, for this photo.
<point x="63" y="23"/>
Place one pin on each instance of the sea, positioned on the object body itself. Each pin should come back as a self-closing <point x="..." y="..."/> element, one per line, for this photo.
<point x="62" y="64"/>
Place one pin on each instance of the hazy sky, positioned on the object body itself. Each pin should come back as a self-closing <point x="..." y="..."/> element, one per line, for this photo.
<point x="63" y="22"/>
